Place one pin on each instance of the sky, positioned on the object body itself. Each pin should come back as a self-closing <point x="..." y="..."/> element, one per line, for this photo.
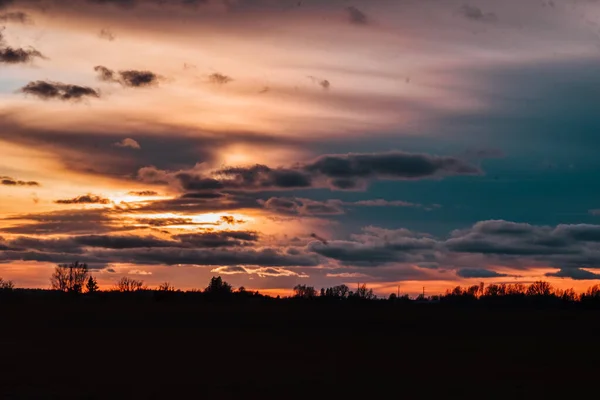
<point x="403" y="144"/>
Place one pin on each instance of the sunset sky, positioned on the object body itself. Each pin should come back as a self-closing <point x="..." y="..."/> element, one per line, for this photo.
<point x="411" y="143"/>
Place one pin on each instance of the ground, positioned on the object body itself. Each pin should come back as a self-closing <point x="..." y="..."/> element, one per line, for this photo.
<point x="147" y="349"/>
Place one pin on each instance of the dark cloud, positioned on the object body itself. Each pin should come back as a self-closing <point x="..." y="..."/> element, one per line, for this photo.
<point x="128" y="78"/>
<point x="356" y="16"/>
<point x="340" y="172"/>
<point x="74" y="222"/>
<point x="143" y="193"/>
<point x="56" y="90"/>
<point x="85" y="199"/>
<point x="476" y="14"/>
<point x="133" y="78"/>
<point x="263" y="177"/>
<point x="219" y="239"/>
<point x="346" y="170"/>
<point x="324" y="83"/>
<point x="301" y="206"/>
<point x="377" y="247"/>
<point x="15" y="16"/>
<point x="90" y="149"/>
<point x="219" y="79"/>
<point x="574" y="273"/>
<point x="10" y="55"/>
<point x="382" y="203"/>
<point x="479" y="273"/>
<point x="8" y="181"/>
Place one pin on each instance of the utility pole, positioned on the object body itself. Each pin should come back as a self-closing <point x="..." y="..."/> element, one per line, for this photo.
<point x="423" y="292"/>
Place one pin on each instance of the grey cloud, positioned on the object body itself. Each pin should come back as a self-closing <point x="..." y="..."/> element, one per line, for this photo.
<point x="64" y="222"/>
<point x="8" y="181"/>
<point x="476" y="14"/>
<point x="128" y="78"/>
<point x="60" y="91"/>
<point x="219" y="79"/>
<point x="377" y="246"/>
<point x="143" y="193"/>
<point x="85" y="199"/>
<point x="383" y="203"/>
<point x="479" y="273"/>
<point x="10" y="55"/>
<point x="89" y="149"/>
<point x="356" y="16"/>
<point x="574" y="273"/>
<point x="15" y="16"/>
<point x="300" y="206"/>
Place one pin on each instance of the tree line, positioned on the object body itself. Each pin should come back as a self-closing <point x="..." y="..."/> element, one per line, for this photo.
<point x="75" y="278"/>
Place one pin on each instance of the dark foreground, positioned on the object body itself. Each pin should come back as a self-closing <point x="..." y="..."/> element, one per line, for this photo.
<point x="165" y="350"/>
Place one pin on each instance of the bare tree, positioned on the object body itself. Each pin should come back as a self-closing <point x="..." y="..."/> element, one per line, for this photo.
<point x="166" y="287"/>
<point x="126" y="284"/>
<point x="303" y="291"/>
<point x="539" y="288"/>
<point x="69" y="277"/>
<point x="6" y="285"/>
<point x="363" y="293"/>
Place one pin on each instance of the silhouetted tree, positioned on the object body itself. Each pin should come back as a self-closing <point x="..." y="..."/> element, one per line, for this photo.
<point x="92" y="285"/>
<point x="305" y="292"/>
<point x="69" y="277"/>
<point x="393" y="297"/>
<point x="218" y="286"/>
<point x="166" y="287"/>
<point x="126" y="284"/>
<point x="241" y="289"/>
<point x="6" y="285"/>
<point x="539" y="288"/>
<point x="363" y="293"/>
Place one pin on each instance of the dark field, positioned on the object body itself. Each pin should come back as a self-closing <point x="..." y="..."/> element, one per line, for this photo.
<point x="140" y="348"/>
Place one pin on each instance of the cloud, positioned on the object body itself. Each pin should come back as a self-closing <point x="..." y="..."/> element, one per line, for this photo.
<point x="128" y="143"/>
<point x="219" y="79"/>
<point x="128" y="78"/>
<point x="301" y="206"/>
<point x="8" y="181"/>
<point x="73" y="222"/>
<point x="336" y="171"/>
<point x="16" y="16"/>
<point x="85" y="199"/>
<point x="142" y="193"/>
<point x="476" y="14"/>
<point x="133" y="78"/>
<point x="377" y="247"/>
<point x="106" y="34"/>
<point x="479" y="273"/>
<point x="324" y="83"/>
<point x="10" y="55"/>
<point x="346" y="171"/>
<point x="573" y="273"/>
<point x="260" y="271"/>
<point x="594" y="212"/>
<point x="356" y="16"/>
<point x="55" y="90"/>
<point x="382" y="203"/>
<point x="139" y="272"/>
